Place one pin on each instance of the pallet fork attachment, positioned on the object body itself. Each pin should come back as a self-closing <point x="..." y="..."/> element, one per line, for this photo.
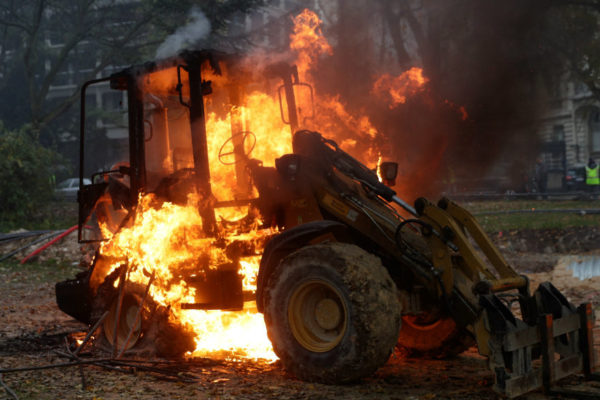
<point x="526" y="357"/>
<point x="551" y="340"/>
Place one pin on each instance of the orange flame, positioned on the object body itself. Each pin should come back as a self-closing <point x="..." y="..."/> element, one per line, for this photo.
<point x="353" y="132"/>
<point x="460" y="109"/>
<point x="308" y="40"/>
<point x="397" y="89"/>
<point x="168" y="240"/>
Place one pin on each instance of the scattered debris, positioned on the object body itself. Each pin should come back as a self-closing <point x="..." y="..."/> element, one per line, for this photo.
<point x="20" y="234"/>
<point x="8" y="390"/>
<point x="44" y="242"/>
<point x="59" y="236"/>
<point x="28" y="245"/>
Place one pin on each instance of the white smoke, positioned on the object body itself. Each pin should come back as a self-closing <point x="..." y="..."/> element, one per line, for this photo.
<point x="185" y="36"/>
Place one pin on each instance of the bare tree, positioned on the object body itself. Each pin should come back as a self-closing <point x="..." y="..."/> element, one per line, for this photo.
<point x="42" y="39"/>
<point x="571" y="32"/>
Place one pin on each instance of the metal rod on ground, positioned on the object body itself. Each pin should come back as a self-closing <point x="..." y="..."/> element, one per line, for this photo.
<point x="50" y="243"/>
<point x="90" y="333"/>
<point x="137" y="315"/>
<point x="36" y="241"/>
<point x="175" y="374"/>
<point x="73" y="356"/>
<point x="122" y="280"/>
<point x="98" y="363"/>
<point x="153" y="362"/>
<point x="108" y="363"/>
<point x="50" y="366"/>
<point x="8" y="390"/>
<point x="9" y="237"/>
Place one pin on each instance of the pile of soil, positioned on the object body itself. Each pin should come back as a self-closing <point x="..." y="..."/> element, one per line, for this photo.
<point x="576" y="240"/>
<point x="539" y="250"/>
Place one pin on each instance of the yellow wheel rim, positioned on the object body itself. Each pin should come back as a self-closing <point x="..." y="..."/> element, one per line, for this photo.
<point x="318" y="316"/>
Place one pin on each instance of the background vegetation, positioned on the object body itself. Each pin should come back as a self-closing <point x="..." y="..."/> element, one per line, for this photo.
<point x="27" y="176"/>
<point x="497" y="216"/>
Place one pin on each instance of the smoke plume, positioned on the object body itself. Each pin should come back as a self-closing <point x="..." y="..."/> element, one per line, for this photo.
<point x="186" y="36"/>
<point x="478" y="109"/>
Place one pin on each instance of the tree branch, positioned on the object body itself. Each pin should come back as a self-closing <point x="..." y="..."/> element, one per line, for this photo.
<point x="392" y="19"/>
<point x="35" y="102"/>
<point x="14" y="24"/>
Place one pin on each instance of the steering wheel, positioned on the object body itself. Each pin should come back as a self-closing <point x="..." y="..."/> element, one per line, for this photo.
<point x="244" y="135"/>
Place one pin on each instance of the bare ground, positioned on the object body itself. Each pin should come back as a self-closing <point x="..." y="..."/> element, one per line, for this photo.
<point x="32" y="330"/>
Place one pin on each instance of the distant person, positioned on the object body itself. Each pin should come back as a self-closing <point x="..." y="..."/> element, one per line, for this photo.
<point x="592" y="178"/>
<point x="541" y="175"/>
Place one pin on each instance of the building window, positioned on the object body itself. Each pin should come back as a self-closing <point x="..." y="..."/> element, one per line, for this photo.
<point x="558" y="133"/>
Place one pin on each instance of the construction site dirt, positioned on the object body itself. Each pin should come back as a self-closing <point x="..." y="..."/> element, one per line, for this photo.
<point x="35" y="333"/>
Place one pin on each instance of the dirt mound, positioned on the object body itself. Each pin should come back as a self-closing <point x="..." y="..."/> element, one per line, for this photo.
<point x="548" y="241"/>
<point x="539" y="250"/>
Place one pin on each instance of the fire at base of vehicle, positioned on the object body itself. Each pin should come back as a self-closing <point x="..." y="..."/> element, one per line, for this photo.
<point x="218" y="208"/>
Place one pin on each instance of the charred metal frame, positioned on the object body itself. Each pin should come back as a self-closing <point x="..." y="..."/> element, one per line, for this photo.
<point x="127" y="80"/>
<point x="89" y="194"/>
<point x="136" y="138"/>
<point x="289" y="76"/>
<point x="80" y="196"/>
<point x="190" y="62"/>
<point x="198" y="130"/>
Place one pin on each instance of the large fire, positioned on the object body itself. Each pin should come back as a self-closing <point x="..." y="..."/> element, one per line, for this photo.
<point x="167" y="240"/>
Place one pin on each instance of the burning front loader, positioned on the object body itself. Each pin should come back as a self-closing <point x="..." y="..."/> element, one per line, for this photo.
<point x="347" y="277"/>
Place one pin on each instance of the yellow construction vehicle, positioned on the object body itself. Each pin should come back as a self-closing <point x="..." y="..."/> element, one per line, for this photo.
<point x="355" y="270"/>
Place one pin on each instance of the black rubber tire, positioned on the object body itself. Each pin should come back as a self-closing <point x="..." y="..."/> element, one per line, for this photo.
<point x="439" y="339"/>
<point x="372" y="312"/>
